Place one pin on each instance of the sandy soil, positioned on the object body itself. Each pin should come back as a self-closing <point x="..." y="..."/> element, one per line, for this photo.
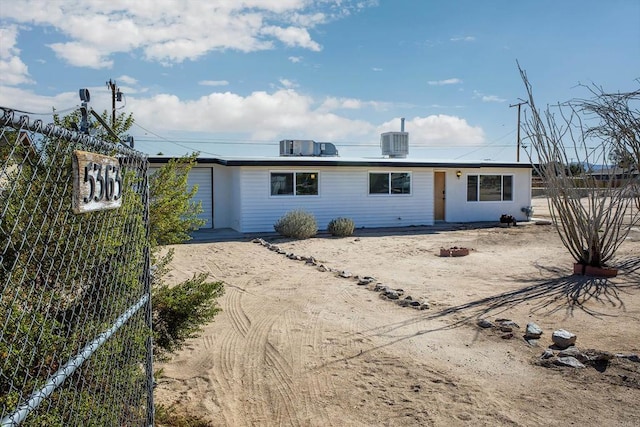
<point x="298" y="346"/>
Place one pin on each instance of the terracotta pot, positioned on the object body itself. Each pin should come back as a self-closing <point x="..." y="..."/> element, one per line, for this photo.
<point x="459" y="251"/>
<point x="588" y="270"/>
<point x="455" y="251"/>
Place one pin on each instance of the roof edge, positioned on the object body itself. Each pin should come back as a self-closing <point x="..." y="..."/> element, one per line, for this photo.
<point x="350" y="162"/>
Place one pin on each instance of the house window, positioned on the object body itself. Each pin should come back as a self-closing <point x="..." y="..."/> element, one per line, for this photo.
<point x="294" y="183"/>
<point x="389" y="183"/>
<point x="489" y="188"/>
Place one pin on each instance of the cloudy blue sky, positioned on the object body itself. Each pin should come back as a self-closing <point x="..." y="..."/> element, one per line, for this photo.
<point x="233" y="77"/>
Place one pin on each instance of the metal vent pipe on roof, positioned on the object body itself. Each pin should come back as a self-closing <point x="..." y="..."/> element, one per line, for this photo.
<point x="402" y="124"/>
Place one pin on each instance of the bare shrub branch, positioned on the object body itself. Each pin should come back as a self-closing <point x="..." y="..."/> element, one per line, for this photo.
<point x="592" y="206"/>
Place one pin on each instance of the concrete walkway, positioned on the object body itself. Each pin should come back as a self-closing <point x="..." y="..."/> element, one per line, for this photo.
<point x="208" y="235"/>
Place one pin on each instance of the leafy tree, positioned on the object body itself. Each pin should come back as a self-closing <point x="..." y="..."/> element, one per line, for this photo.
<point x="64" y="276"/>
<point x="57" y="272"/>
<point x="172" y="213"/>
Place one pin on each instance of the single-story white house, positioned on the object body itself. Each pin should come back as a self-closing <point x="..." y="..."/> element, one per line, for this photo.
<point x="251" y="194"/>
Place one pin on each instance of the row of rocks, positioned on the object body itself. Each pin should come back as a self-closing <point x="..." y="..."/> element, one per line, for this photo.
<point x="387" y="293"/>
<point x="563" y="351"/>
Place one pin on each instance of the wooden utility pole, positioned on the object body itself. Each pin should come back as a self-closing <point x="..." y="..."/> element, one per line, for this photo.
<point x="116" y="95"/>
<point x="519" y="104"/>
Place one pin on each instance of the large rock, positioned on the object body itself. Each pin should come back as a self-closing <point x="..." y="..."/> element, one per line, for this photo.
<point x="484" y="323"/>
<point x="533" y="331"/>
<point x="563" y="339"/>
<point x="507" y="325"/>
<point x="569" y="361"/>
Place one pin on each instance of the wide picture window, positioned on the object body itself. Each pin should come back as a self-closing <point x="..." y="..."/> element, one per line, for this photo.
<point x="489" y="188"/>
<point x="389" y="183"/>
<point x="294" y="183"/>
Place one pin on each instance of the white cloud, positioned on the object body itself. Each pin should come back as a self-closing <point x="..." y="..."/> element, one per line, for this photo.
<point x="213" y="82"/>
<point x="453" y="81"/>
<point x="81" y="55"/>
<point x="293" y="37"/>
<point x="492" y="98"/>
<point x="28" y="101"/>
<point x="295" y="59"/>
<point x="12" y="70"/>
<point x="332" y="103"/>
<point x="261" y="115"/>
<point x="376" y="69"/>
<point x="487" y="98"/>
<point x="438" y="130"/>
<point x="172" y="31"/>
<point x="463" y="39"/>
<point x="286" y="83"/>
<point x="128" y="80"/>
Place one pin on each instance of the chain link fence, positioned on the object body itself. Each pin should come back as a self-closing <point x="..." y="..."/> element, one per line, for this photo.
<point x="75" y="311"/>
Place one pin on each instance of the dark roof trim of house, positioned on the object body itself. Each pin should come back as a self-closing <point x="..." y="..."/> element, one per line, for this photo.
<point x="317" y="162"/>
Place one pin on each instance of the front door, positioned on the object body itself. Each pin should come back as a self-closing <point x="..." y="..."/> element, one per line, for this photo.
<point x="439" y="196"/>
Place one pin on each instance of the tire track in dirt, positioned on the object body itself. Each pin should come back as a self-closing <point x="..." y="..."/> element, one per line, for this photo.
<point x="301" y="329"/>
<point x="240" y="322"/>
<point x="254" y="367"/>
<point x="318" y="384"/>
<point x="222" y="374"/>
<point x="275" y="396"/>
<point x="222" y="342"/>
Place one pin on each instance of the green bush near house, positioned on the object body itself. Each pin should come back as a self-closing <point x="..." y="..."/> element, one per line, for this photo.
<point x="298" y="224"/>
<point x="341" y="227"/>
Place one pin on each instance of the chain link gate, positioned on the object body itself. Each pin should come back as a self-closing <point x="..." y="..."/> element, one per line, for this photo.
<point x="75" y="303"/>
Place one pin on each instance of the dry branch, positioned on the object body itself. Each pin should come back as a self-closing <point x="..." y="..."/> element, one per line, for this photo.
<point x="592" y="209"/>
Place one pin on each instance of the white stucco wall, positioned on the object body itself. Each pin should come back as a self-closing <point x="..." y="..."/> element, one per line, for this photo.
<point x="343" y="191"/>
<point x="242" y="199"/>
<point x="458" y="209"/>
<point x="201" y="177"/>
<point x="221" y="197"/>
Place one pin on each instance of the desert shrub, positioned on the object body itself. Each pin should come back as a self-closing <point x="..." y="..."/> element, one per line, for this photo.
<point x="297" y="224"/>
<point x="175" y="416"/>
<point x="173" y="214"/>
<point x="341" y="227"/>
<point x="180" y="311"/>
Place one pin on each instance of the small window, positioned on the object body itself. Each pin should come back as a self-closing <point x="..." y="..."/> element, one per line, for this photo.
<point x="400" y="183"/>
<point x="489" y="188"/>
<point x="472" y="188"/>
<point x="507" y="187"/>
<point x="389" y="183"/>
<point x="378" y="183"/>
<point x="307" y="184"/>
<point x="294" y="183"/>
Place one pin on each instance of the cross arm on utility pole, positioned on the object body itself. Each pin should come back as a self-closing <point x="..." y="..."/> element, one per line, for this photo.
<point x="116" y="95"/>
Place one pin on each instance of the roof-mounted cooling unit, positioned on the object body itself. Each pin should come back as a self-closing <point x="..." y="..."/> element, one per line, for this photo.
<point x="307" y="147"/>
<point x="395" y="144"/>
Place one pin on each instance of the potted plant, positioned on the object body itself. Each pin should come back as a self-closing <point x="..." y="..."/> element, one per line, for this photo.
<point x="528" y="211"/>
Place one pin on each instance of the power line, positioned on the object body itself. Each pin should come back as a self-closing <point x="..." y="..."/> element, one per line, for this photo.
<point x="490" y="145"/>
<point x="166" y="140"/>
<point x="51" y="113"/>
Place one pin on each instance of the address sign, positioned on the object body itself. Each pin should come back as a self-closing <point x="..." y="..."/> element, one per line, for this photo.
<point x="97" y="182"/>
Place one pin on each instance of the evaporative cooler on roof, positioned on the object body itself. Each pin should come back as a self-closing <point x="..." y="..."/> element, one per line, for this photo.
<point x="395" y="144"/>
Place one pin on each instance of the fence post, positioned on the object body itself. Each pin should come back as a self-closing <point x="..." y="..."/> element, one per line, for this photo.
<point x="148" y="280"/>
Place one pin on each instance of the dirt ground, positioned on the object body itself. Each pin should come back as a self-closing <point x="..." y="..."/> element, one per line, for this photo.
<point x="296" y="345"/>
